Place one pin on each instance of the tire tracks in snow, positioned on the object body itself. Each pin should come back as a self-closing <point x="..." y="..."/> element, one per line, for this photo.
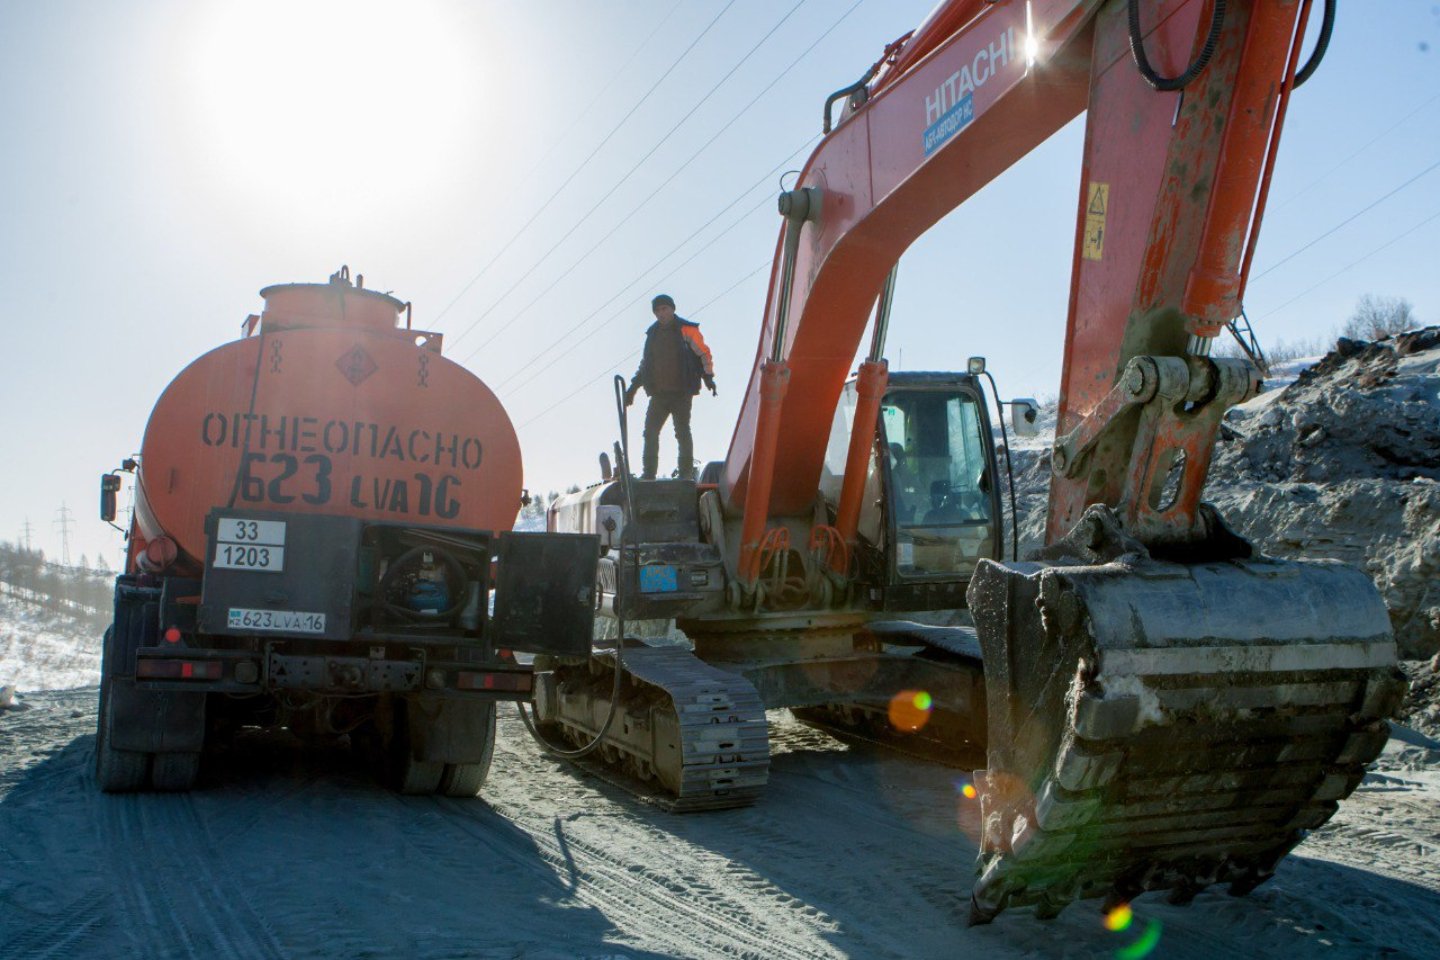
<point x="172" y="881"/>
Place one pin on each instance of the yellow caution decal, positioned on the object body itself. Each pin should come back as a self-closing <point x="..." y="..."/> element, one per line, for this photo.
<point x="1097" y="201"/>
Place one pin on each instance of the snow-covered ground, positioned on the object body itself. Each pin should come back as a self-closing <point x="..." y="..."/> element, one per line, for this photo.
<point x="41" y="650"/>
<point x="853" y="852"/>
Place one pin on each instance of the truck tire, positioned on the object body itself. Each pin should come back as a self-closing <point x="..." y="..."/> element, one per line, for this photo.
<point x="116" y="771"/>
<point x="466" y="779"/>
<point x="175" y="772"/>
<point x="410" y="776"/>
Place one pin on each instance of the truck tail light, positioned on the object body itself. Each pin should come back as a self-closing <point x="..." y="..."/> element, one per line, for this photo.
<point x="468" y="680"/>
<point x="158" y="669"/>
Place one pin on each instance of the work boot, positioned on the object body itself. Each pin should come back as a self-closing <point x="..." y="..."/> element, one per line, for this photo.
<point x="686" y="471"/>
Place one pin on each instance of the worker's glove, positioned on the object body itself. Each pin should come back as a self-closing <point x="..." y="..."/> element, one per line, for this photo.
<point x="710" y="383"/>
<point x="630" y="394"/>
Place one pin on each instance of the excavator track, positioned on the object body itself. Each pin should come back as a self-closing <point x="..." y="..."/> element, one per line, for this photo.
<point x="687" y="736"/>
<point x="953" y="729"/>
<point x="1163" y="726"/>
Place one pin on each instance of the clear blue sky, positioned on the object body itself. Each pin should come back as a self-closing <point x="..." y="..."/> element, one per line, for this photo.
<point x="162" y="161"/>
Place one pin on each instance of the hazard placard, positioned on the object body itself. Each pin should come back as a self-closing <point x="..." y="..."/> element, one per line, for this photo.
<point x="1097" y="201"/>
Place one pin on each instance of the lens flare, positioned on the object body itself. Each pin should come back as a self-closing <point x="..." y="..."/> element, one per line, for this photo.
<point x="1119" y="918"/>
<point x="1142" y="948"/>
<point x="969" y="791"/>
<point x="910" y="710"/>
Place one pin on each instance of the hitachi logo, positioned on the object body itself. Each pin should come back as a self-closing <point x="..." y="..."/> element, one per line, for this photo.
<point x="964" y="81"/>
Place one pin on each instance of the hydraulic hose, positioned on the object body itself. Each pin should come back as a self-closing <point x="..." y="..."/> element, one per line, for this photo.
<point x="1142" y="63"/>
<point x="1009" y="471"/>
<point x="526" y="716"/>
<point x="1322" y="43"/>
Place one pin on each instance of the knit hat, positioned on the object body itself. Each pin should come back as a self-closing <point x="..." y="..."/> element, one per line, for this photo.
<point x="662" y="298"/>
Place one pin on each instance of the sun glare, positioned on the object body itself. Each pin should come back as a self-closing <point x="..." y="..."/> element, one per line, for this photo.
<point x="328" y="108"/>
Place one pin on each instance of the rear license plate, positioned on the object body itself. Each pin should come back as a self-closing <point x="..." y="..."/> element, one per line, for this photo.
<point x="280" y="621"/>
<point x="658" y="578"/>
<point x="249" y="545"/>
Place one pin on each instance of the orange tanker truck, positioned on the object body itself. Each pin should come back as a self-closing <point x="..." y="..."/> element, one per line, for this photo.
<point x="320" y="541"/>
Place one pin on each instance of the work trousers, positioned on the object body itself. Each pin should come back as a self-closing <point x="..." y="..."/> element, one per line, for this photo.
<point x="668" y="406"/>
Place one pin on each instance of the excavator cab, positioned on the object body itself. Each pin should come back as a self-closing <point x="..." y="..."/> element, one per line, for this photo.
<point x="932" y="506"/>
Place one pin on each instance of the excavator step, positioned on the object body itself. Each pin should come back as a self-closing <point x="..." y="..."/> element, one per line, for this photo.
<point x="1159" y="725"/>
<point x="687" y="736"/>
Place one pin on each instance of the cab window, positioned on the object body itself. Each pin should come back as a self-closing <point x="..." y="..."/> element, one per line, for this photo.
<point x="941" y="502"/>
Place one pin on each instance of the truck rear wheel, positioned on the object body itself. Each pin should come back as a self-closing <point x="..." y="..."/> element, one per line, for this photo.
<point x="116" y="771"/>
<point x="466" y="779"/>
<point x="174" y="771"/>
<point x="411" y="776"/>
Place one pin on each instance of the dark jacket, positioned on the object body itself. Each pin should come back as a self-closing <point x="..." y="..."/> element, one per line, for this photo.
<point x="681" y="372"/>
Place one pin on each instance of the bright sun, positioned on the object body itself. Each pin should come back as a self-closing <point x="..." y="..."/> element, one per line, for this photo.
<point x="322" y="107"/>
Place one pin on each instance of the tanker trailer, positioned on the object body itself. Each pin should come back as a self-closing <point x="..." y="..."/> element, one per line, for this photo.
<point x="320" y="542"/>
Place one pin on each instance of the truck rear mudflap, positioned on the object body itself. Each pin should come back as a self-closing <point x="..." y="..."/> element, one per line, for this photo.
<point x="1167" y="726"/>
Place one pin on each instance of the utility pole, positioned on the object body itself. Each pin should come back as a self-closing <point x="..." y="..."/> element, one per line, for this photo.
<point x="63" y="521"/>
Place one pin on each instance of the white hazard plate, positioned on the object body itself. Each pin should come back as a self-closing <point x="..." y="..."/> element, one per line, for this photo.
<point x="282" y="621"/>
<point x="250" y="545"/>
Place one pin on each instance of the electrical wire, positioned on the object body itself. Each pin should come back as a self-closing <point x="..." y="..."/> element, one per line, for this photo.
<point x="576" y="344"/>
<point x="555" y="194"/>
<point x="633" y="353"/>
<point x="630" y="173"/>
<point x="666" y="256"/>
<point x="1354" y="263"/>
<point x="1367" y="145"/>
<point x="658" y="190"/>
<point x="1367" y="208"/>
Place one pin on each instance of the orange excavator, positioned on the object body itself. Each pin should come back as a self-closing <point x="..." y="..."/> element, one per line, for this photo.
<point x="1147" y="702"/>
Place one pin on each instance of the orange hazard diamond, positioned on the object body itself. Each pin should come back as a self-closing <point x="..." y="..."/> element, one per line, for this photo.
<point x="356" y="364"/>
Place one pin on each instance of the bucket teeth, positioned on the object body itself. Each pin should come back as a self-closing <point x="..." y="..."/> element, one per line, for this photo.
<point x="1158" y="726"/>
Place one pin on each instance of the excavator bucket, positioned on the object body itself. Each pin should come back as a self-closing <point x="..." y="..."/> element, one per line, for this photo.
<point x="1165" y="726"/>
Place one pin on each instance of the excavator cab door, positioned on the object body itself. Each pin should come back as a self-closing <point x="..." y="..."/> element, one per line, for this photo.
<point x="941" y="502"/>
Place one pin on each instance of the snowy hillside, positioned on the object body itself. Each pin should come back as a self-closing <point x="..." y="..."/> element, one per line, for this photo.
<point x="47" y="649"/>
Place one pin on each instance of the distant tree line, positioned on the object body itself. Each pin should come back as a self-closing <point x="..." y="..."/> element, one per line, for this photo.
<point x="80" y="591"/>
<point x="1375" y="317"/>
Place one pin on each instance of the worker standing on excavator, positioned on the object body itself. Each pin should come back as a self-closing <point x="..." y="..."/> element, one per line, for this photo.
<point x="674" y="363"/>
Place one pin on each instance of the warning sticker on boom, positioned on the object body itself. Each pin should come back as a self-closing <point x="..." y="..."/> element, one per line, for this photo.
<point x="1097" y="201"/>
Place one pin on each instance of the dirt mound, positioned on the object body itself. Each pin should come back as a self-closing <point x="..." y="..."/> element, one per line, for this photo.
<point x="1343" y="463"/>
<point x="1421" y="709"/>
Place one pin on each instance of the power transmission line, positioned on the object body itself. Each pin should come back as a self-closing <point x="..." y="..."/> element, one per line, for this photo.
<point x="28" y="528"/>
<point x="575" y="345"/>
<point x="1354" y="263"/>
<point x="63" y="521"/>
<point x="1368" y="207"/>
<point x="631" y="355"/>
<point x="641" y="277"/>
<point x="614" y="76"/>
<point x="630" y="173"/>
<point x="555" y="194"/>
<point x="1367" y="145"/>
<point x="655" y="193"/>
